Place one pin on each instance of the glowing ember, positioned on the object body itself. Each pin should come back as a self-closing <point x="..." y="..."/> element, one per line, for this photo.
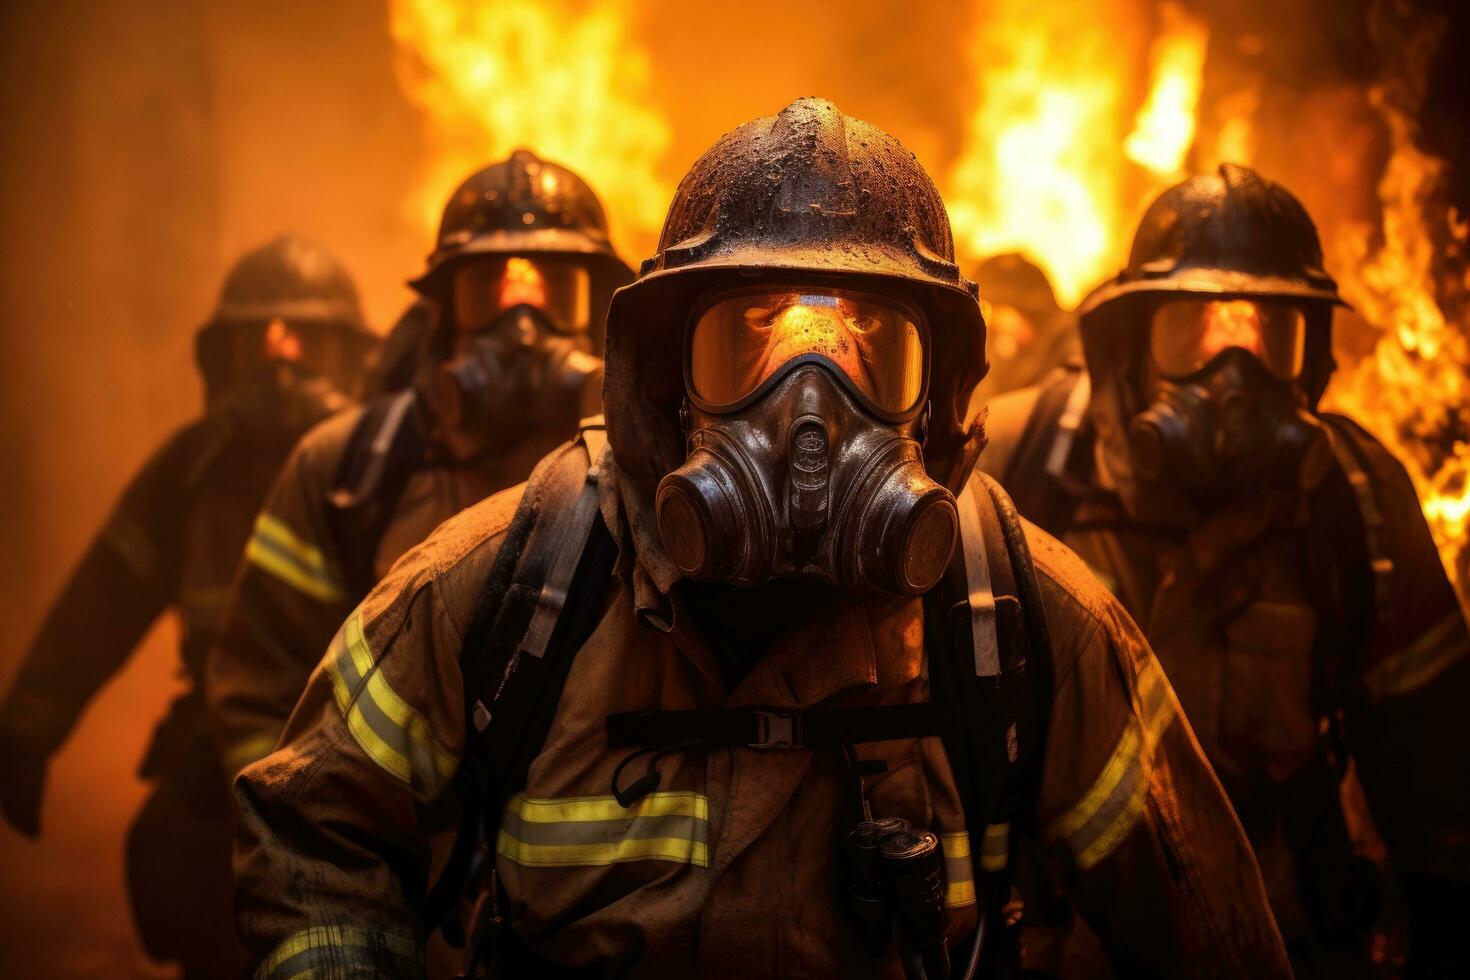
<point x="1165" y="127"/>
<point x="568" y="81"/>
<point x="1413" y="391"/>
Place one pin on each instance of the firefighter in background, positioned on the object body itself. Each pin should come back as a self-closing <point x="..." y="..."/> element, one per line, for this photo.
<point x="688" y="660"/>
<point x="509" y="343"/>
<point x="286" y="340"/>
<point x="1275" y="555"/>
<point x="1028" y="335"/>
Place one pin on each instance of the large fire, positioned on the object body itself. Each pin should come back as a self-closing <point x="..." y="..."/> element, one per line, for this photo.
<point x="568" y="80"/>
<point x="1413" y="390"/>
<point x="1083" y="110"/>
<point x="1056" y="93"/>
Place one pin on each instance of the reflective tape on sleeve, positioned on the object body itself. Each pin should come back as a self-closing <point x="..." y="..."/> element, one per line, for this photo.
<point x="276" y="549"/>
<point x="1110" y="808"/>
<point x="1413" y="666"/>
<point x="339" y="951"/>
<point x="392" y="733"/>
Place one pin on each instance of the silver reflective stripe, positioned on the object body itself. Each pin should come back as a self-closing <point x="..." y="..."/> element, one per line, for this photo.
<point x="977" y="575"/>
<point x="1068" y="424"/>
<point x="569" y="548"/>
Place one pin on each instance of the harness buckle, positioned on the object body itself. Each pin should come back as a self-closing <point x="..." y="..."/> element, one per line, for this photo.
<point x="776" y="731"/>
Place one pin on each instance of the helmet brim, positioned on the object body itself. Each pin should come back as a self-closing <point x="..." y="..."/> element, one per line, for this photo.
<point x="1212" y="282"/>
<point x="537" y="241"/>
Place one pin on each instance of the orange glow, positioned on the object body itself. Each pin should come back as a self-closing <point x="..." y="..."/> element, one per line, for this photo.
<point x="1413" y="391"/>
<point x="1056" y="92"/>
<point x="569" y="81"/>
<point x="1231" y="323"/>
<point x="521" y="283"/>
<point x="1165" y="123"/>
<point x="281" y="344"/>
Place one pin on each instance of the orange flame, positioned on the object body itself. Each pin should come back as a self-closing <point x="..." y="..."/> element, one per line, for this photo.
<point x="1040" y="172"/>
<point x="1165" y="124"/>
<point x="1413" y="391"/>
<point x="568" y="81"/>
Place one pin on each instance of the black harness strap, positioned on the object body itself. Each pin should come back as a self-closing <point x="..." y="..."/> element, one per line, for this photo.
<point x="1055" y="435"/>
<point x="381" y="454"/>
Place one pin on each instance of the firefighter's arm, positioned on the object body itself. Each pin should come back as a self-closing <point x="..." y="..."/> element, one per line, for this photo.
<point x="127" y="577"/>
<point x="332" y="856"/>
<point x="289" y="596"/>
<point x="1404" y="721"/>
<point x="1135" y="827"/>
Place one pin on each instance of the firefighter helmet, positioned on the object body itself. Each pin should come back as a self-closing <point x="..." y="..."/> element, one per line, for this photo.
<point x="808" y="193"/>
<point x="1232" y="233"/>
<point x="521" y="205"/>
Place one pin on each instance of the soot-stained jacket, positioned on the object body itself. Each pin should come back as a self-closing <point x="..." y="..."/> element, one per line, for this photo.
<point x="730" y="868"/>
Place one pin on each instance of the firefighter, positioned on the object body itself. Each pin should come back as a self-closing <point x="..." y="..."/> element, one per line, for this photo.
<point x="284" y="343"/>
<point x="509" y="333"/>
<point x="1028" y="334"/>
<point x="1275" y="555"/>
<point x="728" y="695"/>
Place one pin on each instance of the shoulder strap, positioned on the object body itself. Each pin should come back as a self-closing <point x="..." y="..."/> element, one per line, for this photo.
<point x="381" y="453"/>
<point x="990" y="663"/>
<point x="1039" y="470"/>
<point x="546" y="584"/>
<point x="1342" y="435"/>
<point x="539" y="604"/>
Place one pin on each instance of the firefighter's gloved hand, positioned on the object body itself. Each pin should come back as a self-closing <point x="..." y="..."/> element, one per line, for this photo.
<point x="22" y="782"/>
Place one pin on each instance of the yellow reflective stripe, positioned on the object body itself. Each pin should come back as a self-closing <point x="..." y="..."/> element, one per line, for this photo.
<point x="672" y="825"/>
<point x="275" y="548"/>
<point x="1110" y="808"/>
<point x="959" y="889"/>
<point x="248" y="749"/>
<point x="293" y="958"/>
<point x="389" y="730"/>
<point x="677" y="850"/>
<point x="958" y="894"/>
<point x="670" y="803"/>
<point x="1411" y="667"/>
<point x="995" y="847"/>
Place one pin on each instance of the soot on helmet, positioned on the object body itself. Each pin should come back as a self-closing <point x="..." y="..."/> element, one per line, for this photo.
<point x="805" y="418"/>
<point x="1226" y="411"/>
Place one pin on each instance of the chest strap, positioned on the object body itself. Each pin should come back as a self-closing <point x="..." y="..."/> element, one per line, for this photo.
<point x="766" y="728"/>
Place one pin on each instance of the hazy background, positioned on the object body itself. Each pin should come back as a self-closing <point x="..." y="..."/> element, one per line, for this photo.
<point x="148" y="142"/>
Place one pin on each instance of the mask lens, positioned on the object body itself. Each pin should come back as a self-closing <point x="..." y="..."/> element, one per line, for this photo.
<point x="557" y="285"/>
<point x="743" y="338"/>
<point x="1186" y="334"/>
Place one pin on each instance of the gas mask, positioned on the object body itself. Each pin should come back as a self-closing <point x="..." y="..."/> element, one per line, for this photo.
<point x="805" y="418"/>
<point x="1227" y="413"/>
<point x="522" y="355"/>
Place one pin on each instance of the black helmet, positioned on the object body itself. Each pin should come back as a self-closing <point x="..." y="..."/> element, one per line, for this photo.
<point x="522" y="205"/>
<point x="1233" y="233"/>
<point x="300" y="284"/>
<point x="289" y="279"/>
<point x="810" y="192"/>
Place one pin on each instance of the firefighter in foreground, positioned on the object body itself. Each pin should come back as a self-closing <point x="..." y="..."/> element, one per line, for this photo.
<point x="1275" y="555"/>
<point x="285" y="341"/>
<point x="515" y="298"/>
<point x="728" y="696"/>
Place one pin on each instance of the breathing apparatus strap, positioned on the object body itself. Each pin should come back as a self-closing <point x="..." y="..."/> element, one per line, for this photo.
<point x="381" y="454"/>
<point x="1341" y="437"/>
<point x="1041" y="468"/>
<point x="541" y="601"/>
